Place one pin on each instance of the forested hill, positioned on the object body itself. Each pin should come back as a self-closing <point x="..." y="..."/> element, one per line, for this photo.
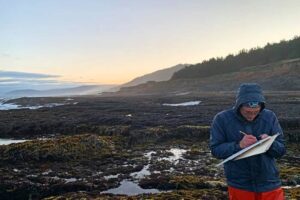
<point x="276" y="67"/>
<point x="284" y="50"/>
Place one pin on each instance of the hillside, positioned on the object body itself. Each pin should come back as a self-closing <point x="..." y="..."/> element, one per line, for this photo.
<point x="271" y="53"/>
<point x="275" y="66"/>
<point x="278" y="76"/>
<point x="160" y="75"/>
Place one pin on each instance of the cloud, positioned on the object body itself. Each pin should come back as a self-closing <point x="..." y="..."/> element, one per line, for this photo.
<point x="25" y="75"/>
<point x="5" y="55"/>
<point x="23" y="81"/>
<point x="13" y="80"/>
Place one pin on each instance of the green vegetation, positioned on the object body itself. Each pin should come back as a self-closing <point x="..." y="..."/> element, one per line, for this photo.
<point x="283" y="50"/>
<point x="63" y="149"/>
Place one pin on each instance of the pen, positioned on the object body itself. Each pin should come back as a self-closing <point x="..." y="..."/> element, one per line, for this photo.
<point x="243" y="133"/>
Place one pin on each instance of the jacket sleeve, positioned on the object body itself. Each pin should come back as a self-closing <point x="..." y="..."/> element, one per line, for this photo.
<point x="219" y="146"/>
<point x="277" y="149"/>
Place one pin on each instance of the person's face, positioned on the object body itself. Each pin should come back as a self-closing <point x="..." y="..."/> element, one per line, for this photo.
<point x="249" y="113"/>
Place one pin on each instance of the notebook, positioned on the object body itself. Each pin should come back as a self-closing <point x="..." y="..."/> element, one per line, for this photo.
<point x="259" y="147"/>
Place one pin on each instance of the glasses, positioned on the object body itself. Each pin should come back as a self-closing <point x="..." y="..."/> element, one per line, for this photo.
<point x="252" y="104"/>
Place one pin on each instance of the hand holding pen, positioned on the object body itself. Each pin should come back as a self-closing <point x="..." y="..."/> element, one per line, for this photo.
<point x="262" y="136"/>
<point x="247" y="140"/>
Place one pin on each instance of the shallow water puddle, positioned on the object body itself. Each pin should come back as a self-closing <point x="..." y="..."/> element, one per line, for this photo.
<point x="141" y="174"/>
<point x="130" y="188"/>
<point x="145" y="171"/>
<point x="177" y="155"/>
<point x="71" y="180"/>
<point x="111" y="176"/>
<point x="189" y="103"/>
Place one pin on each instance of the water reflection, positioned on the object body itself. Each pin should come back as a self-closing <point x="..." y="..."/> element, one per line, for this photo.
<point x="177" y="155"/>
<point x="141" y="174"/>
<point x="130" y="188"/>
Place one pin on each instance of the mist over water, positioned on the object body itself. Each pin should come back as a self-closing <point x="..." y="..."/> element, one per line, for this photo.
<point x="10" y="141"/>
<point x="11" y="106"/>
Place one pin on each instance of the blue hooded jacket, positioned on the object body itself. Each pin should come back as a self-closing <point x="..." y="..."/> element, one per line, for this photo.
<point x="256" y="173"/>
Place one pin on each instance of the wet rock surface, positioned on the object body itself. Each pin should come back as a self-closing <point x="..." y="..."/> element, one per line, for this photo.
<point x="103" y="143"/>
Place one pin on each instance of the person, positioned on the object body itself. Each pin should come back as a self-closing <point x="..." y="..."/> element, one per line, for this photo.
<point x="255" y="177"/>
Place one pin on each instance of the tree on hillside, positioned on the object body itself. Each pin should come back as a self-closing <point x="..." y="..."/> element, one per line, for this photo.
<point x="256" y="56"/>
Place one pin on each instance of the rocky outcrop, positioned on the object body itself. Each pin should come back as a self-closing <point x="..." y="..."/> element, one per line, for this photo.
<point x="93" y="146"/>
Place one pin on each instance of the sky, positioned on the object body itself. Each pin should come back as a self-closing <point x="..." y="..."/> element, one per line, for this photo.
<point x="115" y="41"/>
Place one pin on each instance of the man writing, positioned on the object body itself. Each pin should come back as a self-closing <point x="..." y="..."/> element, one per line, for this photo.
<point x="255" y="177"/>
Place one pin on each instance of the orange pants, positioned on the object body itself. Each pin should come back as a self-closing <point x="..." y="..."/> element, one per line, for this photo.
<point x="237" y="194"/>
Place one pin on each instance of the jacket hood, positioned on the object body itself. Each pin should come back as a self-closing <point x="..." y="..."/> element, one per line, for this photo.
<point x="248" y="92"/>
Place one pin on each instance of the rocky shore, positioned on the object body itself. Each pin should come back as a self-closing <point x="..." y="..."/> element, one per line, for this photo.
<point x="117" y="147"/>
